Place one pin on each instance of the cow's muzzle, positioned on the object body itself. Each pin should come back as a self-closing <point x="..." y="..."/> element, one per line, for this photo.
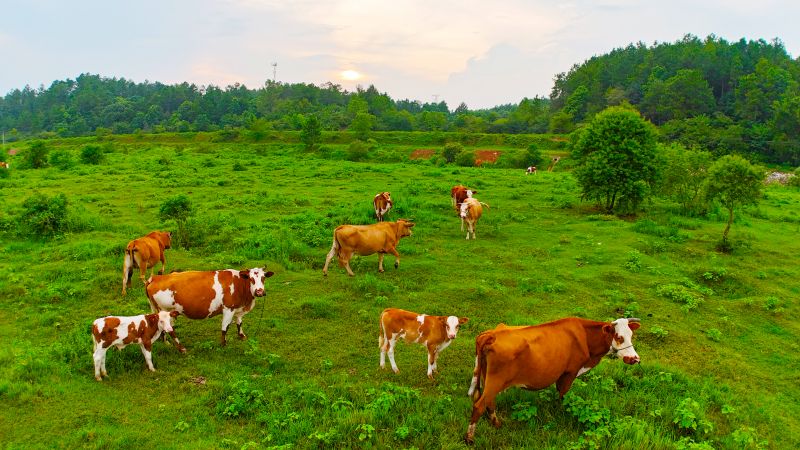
<point x="259" y="293"/>
<point x="631" y="359"/>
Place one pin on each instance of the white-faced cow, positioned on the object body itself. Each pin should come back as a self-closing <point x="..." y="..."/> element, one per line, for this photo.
<point x="145" y="253"/>
<point x="199" y="295"/>
<point x="364" y="240"/>
<point x="535" y="357"/>
<point x="122" y="331"/>
<point x="434" y="332"/>
<point x="382" y="203"/>
<point x="471" y="211"/>
<point x="530" y="170"/>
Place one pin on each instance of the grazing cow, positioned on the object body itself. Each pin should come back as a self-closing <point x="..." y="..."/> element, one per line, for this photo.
<point x="145" y="253"/>
<point x="199" y="295"/>
<point x="434" y="332"/>
<point x="382" y="203"/>
<point x="530" y="170"/>
<point x="471" y="211"/>
<point x="458" y="194"/>
<point x="364" y="240"/>
<point x="4" y="165"/>
<point x="123" y="331"/>
<point x="535" y="357"/>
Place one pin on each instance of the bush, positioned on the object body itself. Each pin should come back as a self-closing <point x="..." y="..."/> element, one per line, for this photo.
<point x="178" y="208"/>
<point x="44" y="216"/>
<point x="62" y="159"/>
<point x="466" y="159"/>
<point x="452" y="150"/>
<point x="357" y="151"/>
<point x="92" y="154"/>
<point x="36" y="156"/>
<point x="534" y="157"/>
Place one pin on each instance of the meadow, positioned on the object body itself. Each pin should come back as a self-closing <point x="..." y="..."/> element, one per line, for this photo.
<point x="720" y="354"/>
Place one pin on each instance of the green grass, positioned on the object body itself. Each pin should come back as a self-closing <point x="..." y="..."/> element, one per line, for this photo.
<point x="308" y="376"/>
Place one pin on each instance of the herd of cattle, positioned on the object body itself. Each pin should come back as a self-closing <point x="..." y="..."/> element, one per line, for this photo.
<point x="531" y="357"/>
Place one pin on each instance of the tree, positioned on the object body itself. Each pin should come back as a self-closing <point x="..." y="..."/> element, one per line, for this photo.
<point x="362" y="125"/>
<point x="36" y="156"/>
<point x="616" y="158"/>
<point x="451" y="151"/>
<point x="734" y="183"/>
<point x="685" y="175"/>
<point x="311" y="132"/>
<point x="179" y="209"/>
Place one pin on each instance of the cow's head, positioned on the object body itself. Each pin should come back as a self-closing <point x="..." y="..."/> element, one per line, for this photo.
<point x="404" y="227"/>
<point x="470" y="193"/>
<point x="165" y="320"/>
<point x="167" y="239"/>
<point x="256" y="277"/>
<point x="451" y="325"/>
<point x="621" y="332"/>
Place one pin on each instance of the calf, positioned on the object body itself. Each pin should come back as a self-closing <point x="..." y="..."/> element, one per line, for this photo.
<point x="145" y="253"/>
<point x="364" y="240"/>
<point x="4" y="165"/>
<point x="530" y="170"/>
<point x="434" y="332"/>
<point x="535" y="357"/>
<point x="471" y="211"/>
<point x="382" y="203"/>
<point x="199" y="295"/>
<point x="123" y="331"/>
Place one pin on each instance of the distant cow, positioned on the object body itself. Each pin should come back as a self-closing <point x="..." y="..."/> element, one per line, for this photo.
<point x="530" y="170"/>
<point x="535" y="357"/>
<point x="145" y="253"/>
<point x="434" y="332"/>
<point x="123" y="331"/>
<point x="199" y="295"/>
<point x="364" y="240"/>
<point x="458" y="194"/>
<point x="382" y="203"/>
<point x="4" y="165"/>
<point x="471" y="211"/>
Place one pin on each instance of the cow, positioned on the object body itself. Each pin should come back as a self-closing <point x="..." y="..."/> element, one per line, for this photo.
<point x="534" y="357"/>
<point x="382" y="203"/>
<point x="145" y="253"/>
<point x="122" y="331"/>
<point x="434" y="332"/>
<point x="458" y="194"/>
<point x="530" y="170"/>
<point x="4" y="165"/>
<point x="199" y="295"/>
<point x="471" y="211"/>
<point x="364" y="240"/>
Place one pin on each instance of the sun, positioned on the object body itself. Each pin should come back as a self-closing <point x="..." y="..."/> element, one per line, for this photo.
<point x="350" y="75"/>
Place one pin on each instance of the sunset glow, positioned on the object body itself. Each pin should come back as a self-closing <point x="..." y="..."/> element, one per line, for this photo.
<point x="350" y="75"/>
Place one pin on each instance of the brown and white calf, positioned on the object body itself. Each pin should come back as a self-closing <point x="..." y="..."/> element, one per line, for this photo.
<point x="434" y="332"/>
<point x="199" y="295"/>
<point x="120" y="332"/>
<point x="534" y="357"/>
<point x="530" y="170"/>
<point x="471" y="211"/>
<point x="382" y="203"/>
<point x="4" y="165"/>
<point x="145" y="253"/>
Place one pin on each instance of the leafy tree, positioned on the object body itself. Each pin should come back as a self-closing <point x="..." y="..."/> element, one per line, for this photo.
<point x="616" y="158"/>
<point x="62" y="159"/>
<point x="362" y="125"/>
<point x="561" y="122"/>
<point x="734" y="183"/>
<point x="44" y="216"/>
<point x="92" y="154"/>
<point x="687" y="94"/>
<point x="534" y="156"/>
<point x="466" y="159"/>
<point x="179" y="209"/>
<point x="685" y="175"/>
<point x="451" y="151"/>
<point x="311" y="132"/>
<point x="357" y="150"/>
<point x="36" y="156"/>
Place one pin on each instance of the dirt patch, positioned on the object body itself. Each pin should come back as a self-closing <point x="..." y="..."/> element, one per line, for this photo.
<point x="486" y="156"/>
<point x="422" y="153"/>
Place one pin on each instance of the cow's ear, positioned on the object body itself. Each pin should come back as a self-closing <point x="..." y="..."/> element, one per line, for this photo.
<point x="462" y="320"/>
<point x="634" y="326"/>
<point x="410" y="224"/>
<point x="244" y="274"/>
<point x="174" y="313"/>
<point x="609" y="329"/>
<point x="269" y="274"/>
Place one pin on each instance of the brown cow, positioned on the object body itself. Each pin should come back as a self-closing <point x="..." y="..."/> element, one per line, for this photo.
<point x="434" y="332"/>
<point x="382" y="203"/>
<point x="458" y="194"/>
<point x="471" y="211"/>
<point x="535" y="357"/>
<point x="145" y="253"/>
<point x="199" y="295"/>
<point x="122" y="331"/>
<point x="364" y="240"/>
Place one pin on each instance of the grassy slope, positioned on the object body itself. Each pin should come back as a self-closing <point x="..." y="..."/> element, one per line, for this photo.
<point x="539" y="256"/>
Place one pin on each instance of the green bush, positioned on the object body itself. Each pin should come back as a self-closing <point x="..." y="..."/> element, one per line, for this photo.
<point x="92" y="154"/>
<point x="62" y="159"/>
<point x="44" y="216"/>
<point x="466" y="159"/>
<point x="451" y="151"/>
<point x="36" y="156"/>
<point x="179" y="209"/>
<point x="357" y="151"/>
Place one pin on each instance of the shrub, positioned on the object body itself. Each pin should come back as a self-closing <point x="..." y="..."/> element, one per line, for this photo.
<point x="92" y="154"/>
<point x="44" y="216"/>
<point x="179" y="209"/>
<point x="466" y="159"/>
<point x="451" y="152"/>
<point x="357" y="151"/>
<point x="634" y="261"/>
<point x="240" y="400"/>
<point x="689" y="417"/>
<point x="62" y="159"/>
<point x="533" y="156"/>
<point x="36" y="156"/>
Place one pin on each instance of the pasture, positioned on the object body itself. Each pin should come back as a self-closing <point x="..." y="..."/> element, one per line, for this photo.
<point x="720" y="355"/>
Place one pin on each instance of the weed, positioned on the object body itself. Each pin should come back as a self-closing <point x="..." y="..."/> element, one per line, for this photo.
<point x="660" y="333"/>
<point x="402" y="433"/>
<point x="240" y="400"/>
<point x="366" y="432"/>
<point x="634" y="261"/>
<point x="689" y="417"/>
<point x="524" y="411"/>
<point x="714" y="334"/>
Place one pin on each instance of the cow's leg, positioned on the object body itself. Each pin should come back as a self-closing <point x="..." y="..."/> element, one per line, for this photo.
<point x="380" y="262"/>
<point x="148" y="354"/>
<point x="484" y="402"/>
<point x="392" y="343"/>
<point x="178" y="345"/>
<point x="381" y="345"/>
<point x="99" y="357"/>
<point x="431" y="360"/>
<point x="127" y="272"/>
<point x="227" y="318"/>
<point x="462" y="224"/>
<point x="330" y="256"/>
<point x="163" y="263"/>
<point x="393" y="250"/>
<point x="564" y="383"/>
<point x="239" y="316"/>
<point x="347" y="266"/>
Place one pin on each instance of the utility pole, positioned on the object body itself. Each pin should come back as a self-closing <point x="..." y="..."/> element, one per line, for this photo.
<point x="274" y="71"/>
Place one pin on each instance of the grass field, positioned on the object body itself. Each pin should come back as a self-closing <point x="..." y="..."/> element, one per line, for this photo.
<point x="719" y="346"/>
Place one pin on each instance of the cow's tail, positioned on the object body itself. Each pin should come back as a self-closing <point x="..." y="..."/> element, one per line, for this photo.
<point x="382" y="333"/>
<point x="483" y="344"/>
<point x="485" y="204"/>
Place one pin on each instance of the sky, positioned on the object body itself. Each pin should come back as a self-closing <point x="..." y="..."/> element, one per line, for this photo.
<point x="482" y="53"/>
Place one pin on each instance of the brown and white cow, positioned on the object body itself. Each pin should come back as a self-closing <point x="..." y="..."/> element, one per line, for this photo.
<point x="458" y="194"/>
<point x="4" y="164"/>
<point x="535" y="357"/>
<point x="530" y="170"/>
<point x="434" y="332"/>
<point x="145" y="253"/>
<point x="471" y="211"/>
<point x="382" y="203"/>
<point x="199" y="295"/>
<point x="364" y="240"/>
<point x="120" y="332"/>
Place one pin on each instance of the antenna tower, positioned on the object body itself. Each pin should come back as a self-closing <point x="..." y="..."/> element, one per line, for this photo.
<point x="274" y="71"/>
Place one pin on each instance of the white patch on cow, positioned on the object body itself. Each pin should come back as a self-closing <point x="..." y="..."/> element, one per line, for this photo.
<point x="443" y="345"/>
<point x="166" y="300"/>
<point x="216" y="302"/>
<point x="474" y="383"/>
<point x="464" y="208"/>
<point x="452" y="327"/>
<point x="231" y="288"/>
<point x="234" y="272"/>
<point x="421" y="319"/>
<point x="469" y="193"/>
<point x="256" y="280"/>
<point x="583" y="371"/>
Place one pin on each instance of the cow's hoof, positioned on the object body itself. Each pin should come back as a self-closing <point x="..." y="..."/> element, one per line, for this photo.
<point x="396" y="370"/>
<point x="182" y="349"/>
<point x="469" y="440"/>
<point x="396" y="265"/>
<point x="152" y="370"/>
<point x="242" y="337"/>
<point x="98" y="378"/>
<point x="496" y="422"/>
<point x="430" y="377"/>
<point x="380" y="270"/>
<point x="324" y="274"/>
